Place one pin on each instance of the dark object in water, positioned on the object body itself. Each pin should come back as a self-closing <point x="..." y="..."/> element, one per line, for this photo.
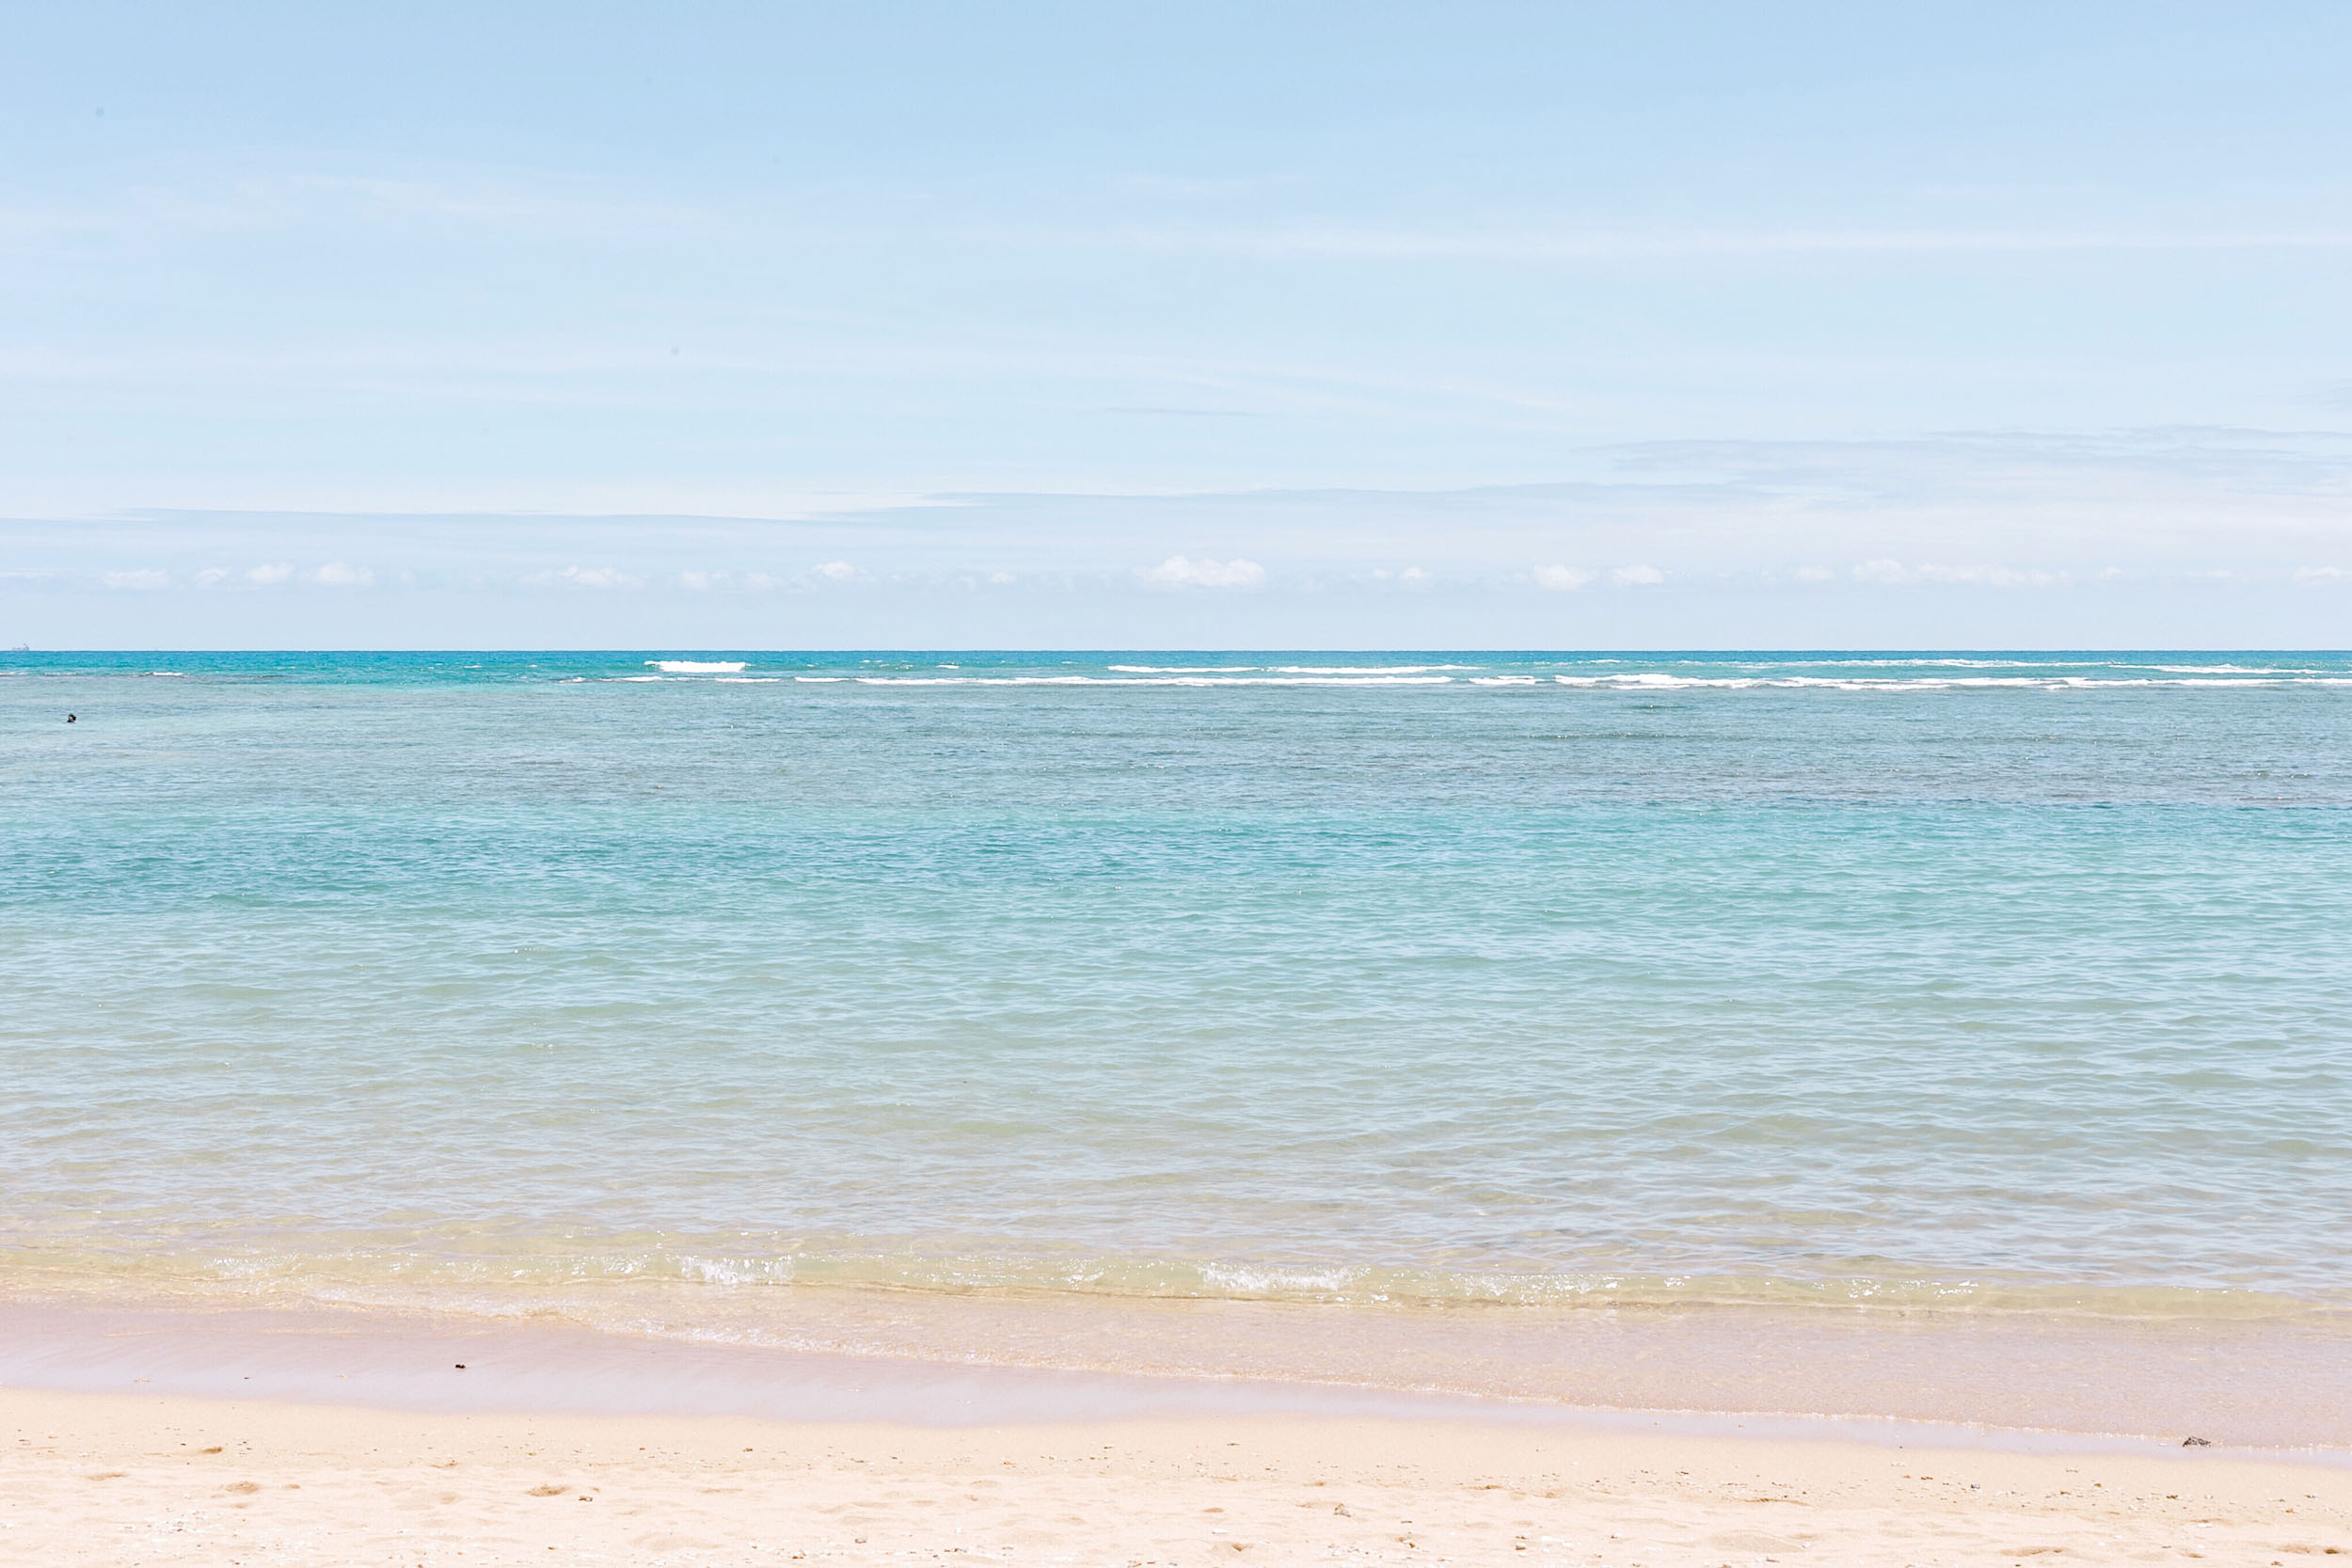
<point x="2197" y="1442"/>
<point x="69" y="719"/>
<point x="461" y="1366"/>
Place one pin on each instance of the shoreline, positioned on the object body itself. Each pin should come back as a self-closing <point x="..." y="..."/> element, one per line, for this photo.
<point x="2037" y="1387"/>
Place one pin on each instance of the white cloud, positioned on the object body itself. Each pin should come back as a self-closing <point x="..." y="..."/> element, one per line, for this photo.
<point x="336" y="573"/>
<point x="147" y="579"/>
<point x="587" y="576"/>
<point x="1561" y="580"/>
<point x="1637" y="577"/>
<point x="2316" y="576"/>
<point x="270" y="576"/>
<point x="1992" y="576"/>
<point x="212" y="576"/>
<point x="840" y="571"/>
<point x="700" y="582"/>
<point x="1178" y="571"/>
<point x="1412" y="574"/>
<point x="1814" y="574"/>
<point x="1894" y="573"/>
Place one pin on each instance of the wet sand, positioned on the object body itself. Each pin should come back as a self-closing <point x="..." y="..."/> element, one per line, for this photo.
<point x="809" y="1354"/>
<point x="155" y="1435"/>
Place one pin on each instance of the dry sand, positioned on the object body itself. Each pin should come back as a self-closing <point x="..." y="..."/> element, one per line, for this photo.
<point x="134" y="1479"/>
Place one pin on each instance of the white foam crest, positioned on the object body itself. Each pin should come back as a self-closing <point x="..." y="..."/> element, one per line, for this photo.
<point x="1156" y="680"/>
<point x="1305" y="680"/>
<point x="1242" y="1279"/>
<point x="1926" y="683"/>
<point x="1939" y="663"/>
<point x="1365" y="669"/>
<point x="2222" y="669"/>
<point x="1643" y="680"/>
<point x="986" y="680"/>
<point x="697" y="666"/>
<point x="1659" y="681"/>
<point x="737" y="1271"/>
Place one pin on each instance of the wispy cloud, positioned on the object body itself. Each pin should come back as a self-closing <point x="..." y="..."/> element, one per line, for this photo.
<point x="1888" y="573"/>
<point x="1182" y="572"/>
<point x="603" y="578"/>
<point x="1551" y="246"/>
<point x="1989" y="512"/>
<point x="226" y="196"/>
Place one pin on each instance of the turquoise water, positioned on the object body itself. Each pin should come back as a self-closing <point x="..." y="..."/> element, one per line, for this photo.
<point x="1998" y="979"/>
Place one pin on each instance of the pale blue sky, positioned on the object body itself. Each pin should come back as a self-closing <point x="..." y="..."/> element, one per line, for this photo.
<point x="1283" y="326"/>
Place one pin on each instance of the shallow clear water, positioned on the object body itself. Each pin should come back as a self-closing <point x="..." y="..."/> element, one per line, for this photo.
<point x="1975" y="979"/>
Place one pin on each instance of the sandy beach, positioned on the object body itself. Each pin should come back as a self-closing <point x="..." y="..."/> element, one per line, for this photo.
<point x="138" y="1478"/>
<point x="154" y="1435"/>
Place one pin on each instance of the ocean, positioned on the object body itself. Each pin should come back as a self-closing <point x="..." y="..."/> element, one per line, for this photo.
<point x="680" y="990"/>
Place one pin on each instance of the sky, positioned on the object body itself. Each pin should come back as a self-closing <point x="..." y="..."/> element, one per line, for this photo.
<point x="1187" y="326"/>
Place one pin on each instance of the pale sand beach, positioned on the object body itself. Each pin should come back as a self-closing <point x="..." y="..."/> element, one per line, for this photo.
<point x="139" y="1479"/>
